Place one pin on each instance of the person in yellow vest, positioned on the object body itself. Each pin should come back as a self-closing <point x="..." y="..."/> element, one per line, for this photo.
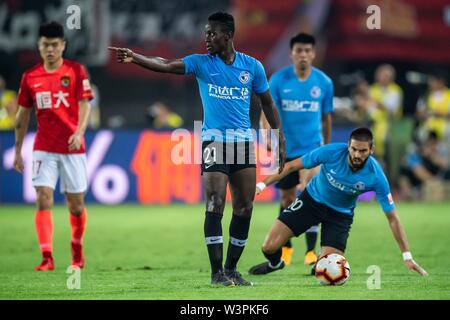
<point x="8" y="106"/>
<point x="162" y="117"/>
<point x="433" y="111"/>
<point x="388" y="97"/>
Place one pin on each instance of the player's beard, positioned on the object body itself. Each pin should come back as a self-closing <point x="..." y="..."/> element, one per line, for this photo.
<point x="357" y="165"/>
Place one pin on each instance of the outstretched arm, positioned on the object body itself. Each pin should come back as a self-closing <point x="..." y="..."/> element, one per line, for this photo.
<point x="272" y="117"/>
<point x="290" y="166"/>
<point x="400" y="237"/>
<point x="157" y="64"/>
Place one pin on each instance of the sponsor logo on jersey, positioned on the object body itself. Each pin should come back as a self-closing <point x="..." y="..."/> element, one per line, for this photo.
<point x="228" y="93"/>
<point x="44" y="99"/>
<point x="339" y="185"/>
<point x="300" y="106"/>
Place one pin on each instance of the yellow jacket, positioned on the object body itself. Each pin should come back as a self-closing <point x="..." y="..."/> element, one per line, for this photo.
<point x="439" y="104"/>
<point x="6" y="121"/>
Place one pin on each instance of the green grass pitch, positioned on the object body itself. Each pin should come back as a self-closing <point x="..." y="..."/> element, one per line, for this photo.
<point x="158" y="252"/>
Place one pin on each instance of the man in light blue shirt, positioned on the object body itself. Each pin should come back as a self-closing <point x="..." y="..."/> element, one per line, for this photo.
<point x="303" y="95"/>
<point x="347" y="171"/>
<point x="226" y="79"/>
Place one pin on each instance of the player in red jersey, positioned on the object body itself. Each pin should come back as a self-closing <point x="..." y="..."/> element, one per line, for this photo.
<point x="60" y="91"/>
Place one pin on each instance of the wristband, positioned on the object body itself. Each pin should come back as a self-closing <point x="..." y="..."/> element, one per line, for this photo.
<point x="407" y="255"/>
<point x="261" y="186"/>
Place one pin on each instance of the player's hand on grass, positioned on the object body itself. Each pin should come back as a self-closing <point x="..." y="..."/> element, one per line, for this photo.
<point x="75" y="142"/>
<point x="413" y="266"/>
<point x="18" y="163"/>
<point x="124" y="55"/>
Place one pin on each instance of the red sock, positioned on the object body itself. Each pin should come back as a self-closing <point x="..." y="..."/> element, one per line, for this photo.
<point x="44" y="230"/>
<point x="78" y="224"/>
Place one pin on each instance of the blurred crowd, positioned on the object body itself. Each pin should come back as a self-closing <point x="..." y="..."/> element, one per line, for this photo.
<point x="414" y="150"/>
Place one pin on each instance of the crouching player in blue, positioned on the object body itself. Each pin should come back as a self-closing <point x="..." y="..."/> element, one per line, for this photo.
<point x="330" y="199"/>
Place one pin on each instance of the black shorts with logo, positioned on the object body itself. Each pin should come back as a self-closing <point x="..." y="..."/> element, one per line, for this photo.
<point x="290" y="181"/>
<point x="305" y="212"/>
<point x="227" y="157"/>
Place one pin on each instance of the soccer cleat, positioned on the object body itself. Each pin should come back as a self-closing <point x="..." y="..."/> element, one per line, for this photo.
<point x="265" y="268"/>
<point x="47" y="264"/>
<point x="313" y="270"/>
<point x="286" y="255"/>
<point x="310" y="258"/>
<point x="236" y="277"/>
<point x="220" y="279"/>
<point x="77" y="255"/>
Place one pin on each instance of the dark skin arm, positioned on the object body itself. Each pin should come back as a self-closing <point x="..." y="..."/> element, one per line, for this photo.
<point x="272" y="117"/>
<point x="157" y="64"/>
<point x="326" y="127"/>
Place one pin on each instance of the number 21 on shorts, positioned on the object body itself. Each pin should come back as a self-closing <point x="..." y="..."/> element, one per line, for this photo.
<point x="209" y="155"/>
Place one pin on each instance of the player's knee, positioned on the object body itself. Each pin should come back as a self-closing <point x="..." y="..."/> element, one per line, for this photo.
<point x="244" y="210"/>
<point x="215" y="203"/>
<point x="76" y="207"/>
<point x="44" y="200"/>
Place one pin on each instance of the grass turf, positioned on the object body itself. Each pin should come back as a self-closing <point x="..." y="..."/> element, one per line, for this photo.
<point x="158" y="252"/>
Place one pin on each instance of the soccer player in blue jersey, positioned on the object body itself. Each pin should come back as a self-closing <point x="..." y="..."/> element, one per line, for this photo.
<point x="330" y="199"/>
<point x="303" y="95"/>
<point x="226" y="79"/>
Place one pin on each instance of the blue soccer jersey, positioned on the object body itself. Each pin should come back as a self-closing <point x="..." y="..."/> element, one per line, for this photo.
<point x="338" y="186"/>
<point x="301" y="105"/>
<point x="225" y="91"/>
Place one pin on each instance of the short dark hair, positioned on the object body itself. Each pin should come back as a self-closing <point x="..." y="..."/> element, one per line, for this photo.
<point x="362" y="134"/>
<point x="51" y="30"/>
<point x="302" y="37"/>
<point x="225" y="19"/>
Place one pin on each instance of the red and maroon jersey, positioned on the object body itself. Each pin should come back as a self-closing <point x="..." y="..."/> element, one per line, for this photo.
<point x="56" y="96"/>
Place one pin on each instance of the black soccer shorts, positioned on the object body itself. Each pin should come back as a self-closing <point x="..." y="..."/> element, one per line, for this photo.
<point x="305" y="212"/>
<point x="227" y="157"/>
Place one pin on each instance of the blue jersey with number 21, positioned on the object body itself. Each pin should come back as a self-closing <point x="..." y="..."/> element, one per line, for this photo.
<point x="225" y="91"/>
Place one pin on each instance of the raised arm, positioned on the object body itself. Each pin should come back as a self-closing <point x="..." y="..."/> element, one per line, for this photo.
<point x="400" y="237"/>
<point x="157" y="64"/>
<point x="271" y="114"/>
<point x="21" y="128"/>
